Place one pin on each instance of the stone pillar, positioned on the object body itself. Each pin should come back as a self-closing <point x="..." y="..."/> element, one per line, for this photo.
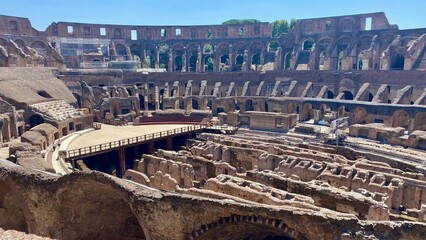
<point x="199" y="59"/>
<point x="122" y="160"/>
<point x="169" y="143"/>
<point x="170" y="65"/>
<point x="157" y="57"/>
<point x="151" y="147"/>
<point x="157" y="98"/>
<point x="184" y="61"/>
<point x="262" y="57"/>
<point x="216" y="58"/>
<point x="231" y="57"/>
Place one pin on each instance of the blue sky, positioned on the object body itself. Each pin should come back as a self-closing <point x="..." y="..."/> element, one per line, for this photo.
<point x="405" y="13"/>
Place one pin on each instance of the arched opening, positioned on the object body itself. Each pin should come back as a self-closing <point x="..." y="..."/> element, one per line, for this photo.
<point x="114" y="219"/>
<point x="255" y="62"/>
<point x="400" y="118"/>
<point x="121" y="50"/>
<point x="370" y="97"/>
<point x="249" y="105"/>
<point x="224" y="63"/>
<point x="35" y="120"/>
<point x="273" y="46"/>
<point x="307" y="45"/>
<point x="347" y="95"/>
<point x="136" y="51"/>
<point x="244" y="230"/>
<point x="195" y="105"/>
<point x="178" y="63"/>
<point x="321" y="61"/>
<point x="287" y="61"/>
<point x="193" y="63"/>
<point x="398" y="62"/>
<point x="340" y="60"/>
<point x="330" y="94"/>
<point x="40" y="47"/>
<point x="238" y="62"/>
<point x="208" y="63"/>
<point x="420" y="121"/>
<point x="164" y="54"/>
<point x="359" y="115"/>
<point x="360" y="65"/>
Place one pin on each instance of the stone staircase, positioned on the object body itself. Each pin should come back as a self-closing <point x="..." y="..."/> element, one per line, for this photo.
<point x="57" y="110"/>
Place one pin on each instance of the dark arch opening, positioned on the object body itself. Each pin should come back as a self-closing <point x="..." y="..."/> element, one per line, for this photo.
<point x="193" y="63"/>
<point x="208" y="64"/>
<point x="178" y="63"/>
<point x="195" y="104"/>
<point x="398" y="62"/>
<point x="249" y="105"/>
<point x="255" y="62"/>
<point x="238" y="62"/>
<point x="348" y="95"/>
<point x="307" y="45"/>
<point x="36" y="120"/>
<point x="245" y="231"/>
<point x="330" y="94"/>
<point x="287" y="60"/>
<point x="224" y="63"/>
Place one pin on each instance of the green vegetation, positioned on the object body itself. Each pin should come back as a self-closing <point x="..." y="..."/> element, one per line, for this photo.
<point x="281" y="26"/>
<point x="241" y="21"/>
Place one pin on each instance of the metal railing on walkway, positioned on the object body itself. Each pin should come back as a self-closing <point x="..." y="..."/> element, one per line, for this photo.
<point x="109" y="146"/>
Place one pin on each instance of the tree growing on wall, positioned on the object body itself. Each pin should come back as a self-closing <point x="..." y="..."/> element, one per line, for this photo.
<point x="241" y="21"/>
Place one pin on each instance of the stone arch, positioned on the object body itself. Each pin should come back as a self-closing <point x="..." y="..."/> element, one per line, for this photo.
<point x="121" y="49"/>
<point x="255" y="62"/>
<point x="360" y="64"/>
<point x="35" y="120"/>
<point x="192" y="66"/>
<point x="364" y="42"/>
<point x="135" y="49"/>
<point x="420" y="121"/>
<point x="150" y="56"/>
<point x="178" y="61"/>
<point x="346" y="85"/>
<point x="224" y="63"/>
<point x="341" y="46"/>
<point x="400" y="118"/>
<point x="359" y="115"/>
<point x="21" y="43"/>
<point x="307" y="45"/>
<point x="40" y="47"/>
<point x="114" y="219"/>
<point x="385" y="40"/>
<point x="222" y="48"/>
<point x="287" y="59"/>
<point x="273" y="46"/>
<point x="4" y="42"/>
<point x="246" y="227"/>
